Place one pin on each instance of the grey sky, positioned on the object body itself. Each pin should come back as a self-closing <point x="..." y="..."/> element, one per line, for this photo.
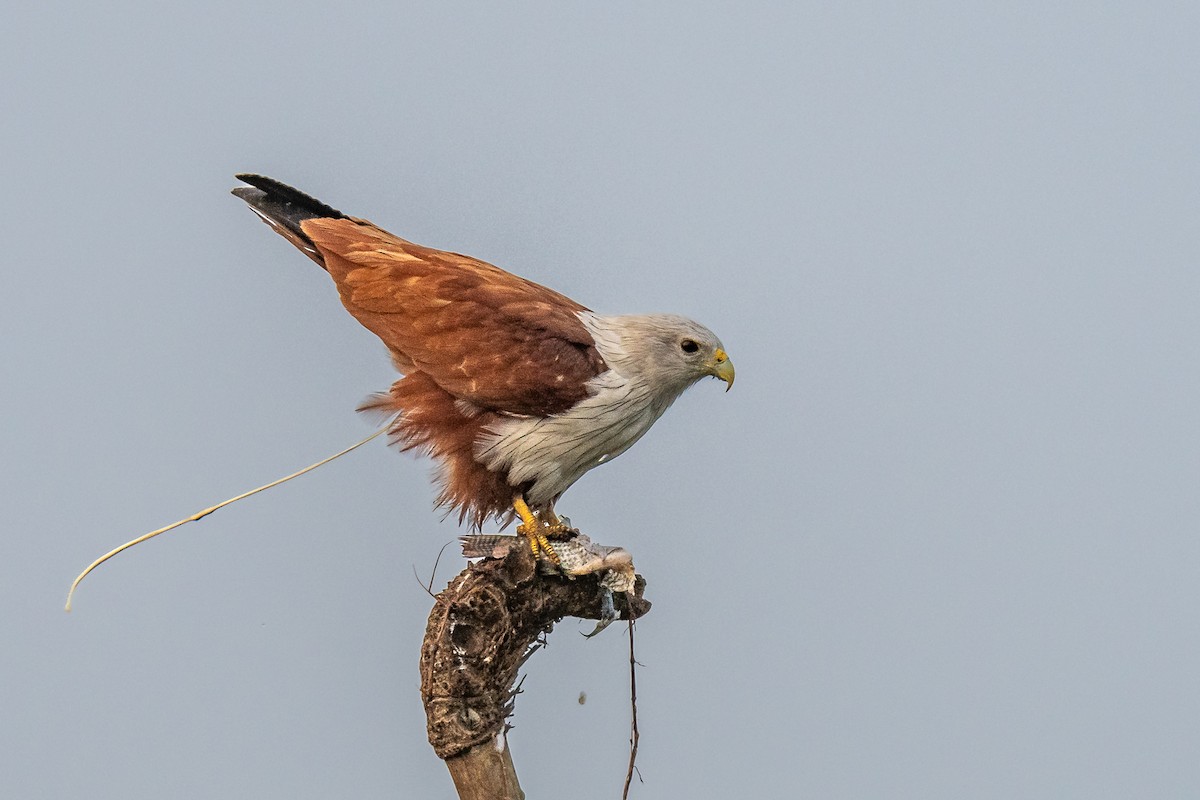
<point x="940" y="541"/>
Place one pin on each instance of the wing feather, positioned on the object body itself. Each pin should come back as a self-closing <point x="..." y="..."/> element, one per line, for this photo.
<point x="482" y="334"/>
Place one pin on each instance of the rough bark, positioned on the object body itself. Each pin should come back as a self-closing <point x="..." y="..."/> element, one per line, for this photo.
<point x="482" y="628"/>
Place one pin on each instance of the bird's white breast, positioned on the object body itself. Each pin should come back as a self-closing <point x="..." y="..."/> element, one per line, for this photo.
<point x="553" y="452"/>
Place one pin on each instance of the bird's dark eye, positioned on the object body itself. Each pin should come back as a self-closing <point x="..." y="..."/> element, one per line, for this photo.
<point x="688" y="346"/>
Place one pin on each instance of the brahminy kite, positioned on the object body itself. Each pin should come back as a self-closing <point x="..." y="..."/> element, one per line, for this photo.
<point x="514" y="389"/>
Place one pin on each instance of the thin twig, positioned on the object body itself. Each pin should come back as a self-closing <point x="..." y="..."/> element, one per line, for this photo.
<point x="432" y="575"/>
<point x="199" y="515"/>
<point x="633" y="736"/>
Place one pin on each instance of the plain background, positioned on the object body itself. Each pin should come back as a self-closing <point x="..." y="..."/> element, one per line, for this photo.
<point x="940" y="541"/>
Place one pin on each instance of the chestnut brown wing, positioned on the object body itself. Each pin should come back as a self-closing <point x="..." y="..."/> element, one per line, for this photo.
<point x="484" y="335"/>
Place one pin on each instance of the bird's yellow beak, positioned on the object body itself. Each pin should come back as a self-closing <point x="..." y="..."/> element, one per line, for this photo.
<point x="721" y="367"/>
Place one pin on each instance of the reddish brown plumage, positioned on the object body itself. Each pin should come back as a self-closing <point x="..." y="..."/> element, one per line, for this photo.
<point x="429" y="422"/>
<point x="475" y="343"/>
<point x="482" y="334"/>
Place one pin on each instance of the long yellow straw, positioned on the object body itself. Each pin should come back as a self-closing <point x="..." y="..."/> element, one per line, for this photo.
<point x="202" y="514"/>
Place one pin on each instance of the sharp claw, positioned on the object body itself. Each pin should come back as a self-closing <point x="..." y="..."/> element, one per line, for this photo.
<point x="608" y="612"/>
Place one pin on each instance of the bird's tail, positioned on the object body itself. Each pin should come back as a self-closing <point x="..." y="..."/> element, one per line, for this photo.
<point x="284" y="208"/>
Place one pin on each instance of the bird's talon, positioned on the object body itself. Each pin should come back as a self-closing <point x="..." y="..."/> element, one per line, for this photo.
<point x="560" y="531"/>
<point x="539" y="544"/>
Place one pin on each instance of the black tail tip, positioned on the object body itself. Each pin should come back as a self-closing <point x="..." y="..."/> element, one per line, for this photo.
<point x="283" y="194"/>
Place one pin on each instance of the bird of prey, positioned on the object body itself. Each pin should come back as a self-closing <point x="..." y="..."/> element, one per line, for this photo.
<point x="515" y="390"/>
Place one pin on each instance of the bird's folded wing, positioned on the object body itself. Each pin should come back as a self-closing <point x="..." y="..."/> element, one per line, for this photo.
<point x="482" y="334"/>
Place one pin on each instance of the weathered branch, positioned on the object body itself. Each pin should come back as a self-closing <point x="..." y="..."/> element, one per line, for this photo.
<point x="483" y="627"/>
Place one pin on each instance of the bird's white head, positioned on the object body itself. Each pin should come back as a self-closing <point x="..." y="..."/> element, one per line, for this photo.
<point x="667" y="351"/>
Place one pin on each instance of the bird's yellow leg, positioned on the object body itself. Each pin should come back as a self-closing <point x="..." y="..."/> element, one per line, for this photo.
<point x="533" y="530"/>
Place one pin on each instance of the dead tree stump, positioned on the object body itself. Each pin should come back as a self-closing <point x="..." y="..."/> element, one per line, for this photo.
<point x="483" y="627"/>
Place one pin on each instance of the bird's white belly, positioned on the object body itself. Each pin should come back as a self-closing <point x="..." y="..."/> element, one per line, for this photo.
<point x="554" y="452"/>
